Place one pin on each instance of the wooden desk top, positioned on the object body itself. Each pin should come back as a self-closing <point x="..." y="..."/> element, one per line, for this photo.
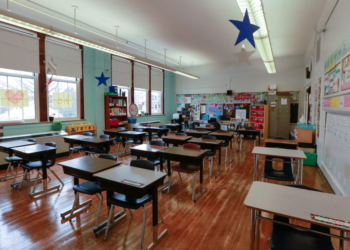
<point x="131" y="133"/>
<point x="150" y="128"/>
<point x="172" y="124"/>
<point x="205" y="141"/>
<point x="124" y="172"/>
<point x="177" y="137"/>
<point x="183" y="151"/>
<point x="90" y="164"/>
<point x="201" y="132"/>
<point x="77" y="137"/>
<point x="222" y="133"/>
<point x="247" y="130"/>
<point x="13" y="144"/>
<point x="205" y="128"/>
<point x="280" y="152"/>
<point x="32" y="149"/>
<point x="114" y="130"/>
<point x="281" y="141"/>
<point x="147" y="147"/>
<point x="97" y="139"/>
<point x="298" y="203"/>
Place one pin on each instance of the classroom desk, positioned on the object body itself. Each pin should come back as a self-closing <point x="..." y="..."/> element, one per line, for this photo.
<point x="196" y="133"/>
<point x="298" y="155"/>
<point x="34" y="153"/>
<point x="136" y="136"/>
<point x="206" y="128"/>
<point x="146" y="150"/>
<point x="112" y="179"/>
<point x="84" y="168"/>
<point x="88" y="141"/>
<point x="113" y="132"/>
<point x="151" y="130"/>
<point x="185" y="155"/>
<point x="174" y="126"/>
<point x="6" y="147"/>
<point x="227" y="137"/>
<point x="294" y="203"/>
<point x="243" y="131"/>
<point x="292" y="144"/>
<point x="176" y="139"/>
<point x="212" y="145"/>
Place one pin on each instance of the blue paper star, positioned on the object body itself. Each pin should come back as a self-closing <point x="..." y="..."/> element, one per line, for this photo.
<point x="246" y="29"/>
<point x="102" y="79"/>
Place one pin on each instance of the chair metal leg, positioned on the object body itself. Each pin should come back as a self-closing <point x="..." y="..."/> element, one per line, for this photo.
<point x="76" y="199"/>
<point x="143" y="226"/>
<point x="99" y="208"/>
<point x="36" y="181"/>
<point x="14" y="178"/>
<point x="211" y="166"/>
<point x="24" y="176"/>
<point x="109" y="221"/>
<point x="180" y="176"/>
<point x="226" y="154"/>
<point x="7" y="170"/>
<point x="170" y="179"/>
<point x="194" y="186"/>
<point x="56" y="176"/>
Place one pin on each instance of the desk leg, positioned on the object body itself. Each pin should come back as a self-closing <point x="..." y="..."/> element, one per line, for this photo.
<point x="342" y="243"/>
<point x="257" y="229"/>
<point x="256" y="164"/>
<point x="168" y="184"/>
<point x="203" y="189"/>
<point x="301" y="167"/>
<point x="252" y="228"/>
<point x="219" y="166"/>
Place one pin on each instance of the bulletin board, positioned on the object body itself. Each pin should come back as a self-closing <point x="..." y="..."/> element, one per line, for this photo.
<point x="214" y="109"/>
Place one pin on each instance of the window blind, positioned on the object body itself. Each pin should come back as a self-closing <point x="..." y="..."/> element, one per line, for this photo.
<point x="19" y="52"/>
<point x="141" y="76"/>
<point x="121" y="73"/>
<point x="157" y="80"/>
<point x="67" y="59"/>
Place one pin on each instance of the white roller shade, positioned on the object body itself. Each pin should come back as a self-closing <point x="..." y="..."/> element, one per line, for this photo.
<point x="19" y="52"/>
<point x="157" y="80"/>
<point x="67" y="59"/>
<point x="141" y="77"/>
<point x="121" y="73"/>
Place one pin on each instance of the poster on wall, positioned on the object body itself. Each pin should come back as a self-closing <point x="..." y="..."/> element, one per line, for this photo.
<point x="214" y="109"/>
<point x="333" y="80"/>
<point x="346" y="73"/>
<point x="241" y="114"/>
<point x="188" y="99"/>
<point x="318" y="106"/>
<point x="326" y="87"/>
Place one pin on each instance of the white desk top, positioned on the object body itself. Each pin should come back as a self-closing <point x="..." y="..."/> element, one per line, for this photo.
<point x="298" y="203"/>
<point x="281" y="152"/>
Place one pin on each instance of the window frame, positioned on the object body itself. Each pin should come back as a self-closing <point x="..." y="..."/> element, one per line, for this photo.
<point x="161" y="102"/>
<point x="147" y="98"/>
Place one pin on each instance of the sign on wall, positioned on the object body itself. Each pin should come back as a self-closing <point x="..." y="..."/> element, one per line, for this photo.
<point x="14" y="98"/>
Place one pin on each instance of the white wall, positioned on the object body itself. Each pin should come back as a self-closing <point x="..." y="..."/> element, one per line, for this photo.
<point x="244" y="78"/>
<point x="336" y="31"/>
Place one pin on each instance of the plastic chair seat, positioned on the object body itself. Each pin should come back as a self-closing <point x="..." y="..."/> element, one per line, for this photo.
<point x="96" y="151"/>
<point x="77" y="148"/>
<point x="210" y="153"/>
<point x="185" y="168"/>
<point x="118" y="139"/>
<point x="285" y="174"/>
<point x="13" y="158"/>
<point x="155" y="161"/>
<point x="88" y="187"/>
<point x="122" y="200"/>
<point x="35" y="164"/>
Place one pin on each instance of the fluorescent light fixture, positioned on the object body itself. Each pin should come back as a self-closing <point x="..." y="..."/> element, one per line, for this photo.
<point x="30" y="24"/>
<point x="261" y="36"/>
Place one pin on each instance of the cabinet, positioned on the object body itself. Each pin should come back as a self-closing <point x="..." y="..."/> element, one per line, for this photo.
<point x="259" y="118"/>
<point x="304" y="135"/>
<point x="116" y="114"/>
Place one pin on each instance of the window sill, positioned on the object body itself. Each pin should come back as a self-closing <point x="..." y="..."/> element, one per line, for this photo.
<point x="26" y="123"/>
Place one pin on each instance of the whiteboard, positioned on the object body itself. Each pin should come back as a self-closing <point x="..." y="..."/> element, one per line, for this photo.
<point x="336" y="155"/>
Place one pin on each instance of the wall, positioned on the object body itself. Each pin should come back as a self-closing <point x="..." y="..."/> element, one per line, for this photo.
<point x="334" y="35"/>
<point x="244" y="78"/>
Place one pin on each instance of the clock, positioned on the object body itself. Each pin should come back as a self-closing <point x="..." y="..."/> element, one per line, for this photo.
<point x="133" y="109"/>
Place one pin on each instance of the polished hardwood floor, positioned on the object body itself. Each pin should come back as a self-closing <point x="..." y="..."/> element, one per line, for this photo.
<point x="219" y="220"/>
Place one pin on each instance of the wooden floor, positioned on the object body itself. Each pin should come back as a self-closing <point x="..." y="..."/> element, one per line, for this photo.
<point x="219" y="220"/>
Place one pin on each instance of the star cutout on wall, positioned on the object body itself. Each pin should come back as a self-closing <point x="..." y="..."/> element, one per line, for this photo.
<point x="246" y="29"/>
<point x="102" y="79"/>
<point x="51" y="67"/>
<point x="243" y="56"/>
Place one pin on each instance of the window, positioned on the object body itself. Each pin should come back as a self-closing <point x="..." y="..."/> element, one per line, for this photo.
<point x="157" y="99"/>
<point x="140" y="98"/>
<point x="63" y="98"/>
<point x="17" y="92"/>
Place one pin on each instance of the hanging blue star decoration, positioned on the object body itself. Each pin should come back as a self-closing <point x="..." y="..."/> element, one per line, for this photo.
<point x="246" y="29"/>
<point x="102" y="79"/>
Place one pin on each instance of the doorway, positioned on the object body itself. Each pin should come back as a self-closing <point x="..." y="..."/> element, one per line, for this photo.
<point x="279" y="115"/>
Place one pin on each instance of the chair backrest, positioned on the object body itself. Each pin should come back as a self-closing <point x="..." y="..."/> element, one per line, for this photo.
<point x="104" y="136"/>
<point x="157" y="143"/>
<point x="88" y="134"/>
<point x="50" y="144"/>
<point x="108" y="156"/>
<point x="192" y="146"/>
<point x="31" y="140"/>
<point x="121" y="128"/>
<point x="184" y="134"/>
<point x="162" y="126"/>
<point x="145" y="164"/>
<point x="52" y="159"/>
<point x="138" y="130"/>
<point x="216" y="125"/>
<point x="210" y="137"/>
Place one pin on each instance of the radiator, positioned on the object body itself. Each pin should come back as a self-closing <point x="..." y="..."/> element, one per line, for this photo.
<point x="41" y="138"/>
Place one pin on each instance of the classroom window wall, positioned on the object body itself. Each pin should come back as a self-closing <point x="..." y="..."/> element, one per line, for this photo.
<point x="140" y="98"/>
<point x="156" y="102"/>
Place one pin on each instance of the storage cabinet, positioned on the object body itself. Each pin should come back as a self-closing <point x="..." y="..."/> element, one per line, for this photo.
<point x="304" y="135"/>
<point x="259" y="118"/>
<point x="116" y="114"/>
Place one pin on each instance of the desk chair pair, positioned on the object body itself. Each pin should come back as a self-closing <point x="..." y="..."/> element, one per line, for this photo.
<point x="80" y="148"/>
<point x="247" y="137"/>
<point x="97" y="151"/>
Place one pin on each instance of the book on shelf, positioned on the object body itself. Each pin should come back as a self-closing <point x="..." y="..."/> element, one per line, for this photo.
<point x="114" y="102"/>
<point x="117" y="111"/>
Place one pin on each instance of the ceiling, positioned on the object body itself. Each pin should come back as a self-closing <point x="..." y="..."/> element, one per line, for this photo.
<point x="197" y="30"/>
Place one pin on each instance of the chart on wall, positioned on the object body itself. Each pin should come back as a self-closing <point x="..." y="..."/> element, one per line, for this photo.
<point x="215" y="109"/>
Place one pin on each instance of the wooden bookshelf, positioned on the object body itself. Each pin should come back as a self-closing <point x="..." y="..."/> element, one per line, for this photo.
<point x="261" y="120"/>
<point x="115" y="110"/>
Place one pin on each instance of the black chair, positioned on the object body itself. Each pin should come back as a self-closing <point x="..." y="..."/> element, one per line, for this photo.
<point x="286" y="173"/>
<point x="29" y="166"/>
<point x="90" y="188"/>
<point x="183" y="134"/>
<point x="210" y="154"/>
<point x="195" y="124"/>
<point x="14" y="162"/>
<point x="216" y="125"/>
<point x="128" y="202"/>
<point x="80" y="148"/>
<point x="226" y="144"/>
<point x="118" y="140"/>
<point x="132" y="142"/>
<point x="248" y="137"/>
<point x="156" y="161"/>
<point x="284" y="237"/>
<point x="98" y="151"/>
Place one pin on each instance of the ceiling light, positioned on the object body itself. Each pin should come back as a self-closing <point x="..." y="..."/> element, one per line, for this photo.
<point x="186" y="74"/>
<point x="261" y="36"/>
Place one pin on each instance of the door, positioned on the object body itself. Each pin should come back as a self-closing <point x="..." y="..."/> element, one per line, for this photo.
<point x="279" y="118"/>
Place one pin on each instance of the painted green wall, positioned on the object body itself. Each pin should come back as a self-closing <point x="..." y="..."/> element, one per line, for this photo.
<point x="96" y="62"/>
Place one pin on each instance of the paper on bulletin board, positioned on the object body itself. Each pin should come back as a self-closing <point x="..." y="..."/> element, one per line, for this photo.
<point x="179" y="106"/>
<point x="62" y="100"/>
<point x="203" y="109"/>
<point x="284" y="101"/>
<point x="241" y="114"/>
<point x="188" y="99"/>
<point x="14" y="98"/>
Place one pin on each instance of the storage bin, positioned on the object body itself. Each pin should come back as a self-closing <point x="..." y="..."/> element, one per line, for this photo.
<point x="261" y="108"/>
<point x="254" y="120"/>
<point x="114" y="122"/>
<point x="254" y="114"/>
<point x="132" y="120"/>
<point x="260" y="114"/>
<point x="254" y="108"/>
<point x="305" y="125"/>
<point x="260" y="120"/>
<point x="311" y="159"/>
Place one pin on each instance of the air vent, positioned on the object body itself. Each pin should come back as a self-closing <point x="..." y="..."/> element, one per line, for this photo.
<point x="60" y="42"/>
<point x="17" y="30"/>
